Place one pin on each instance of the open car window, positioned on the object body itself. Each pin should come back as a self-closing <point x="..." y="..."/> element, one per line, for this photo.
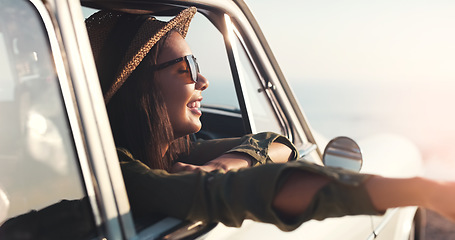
<point x="214" y="63"/>
<point x="222" y="115"/>
<point x="235" y="87"/>
<point x="262" y="115"/>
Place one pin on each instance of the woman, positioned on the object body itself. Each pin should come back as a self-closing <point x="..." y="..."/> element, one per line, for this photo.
<point x="152" y="88"/>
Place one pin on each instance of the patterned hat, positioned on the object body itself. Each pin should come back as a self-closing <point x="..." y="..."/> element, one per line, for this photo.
<point x="120" y="41"/>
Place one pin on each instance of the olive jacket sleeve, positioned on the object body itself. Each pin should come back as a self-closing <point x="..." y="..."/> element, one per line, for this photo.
<point x="254" y="145"/>
<point x="231" y="197"/>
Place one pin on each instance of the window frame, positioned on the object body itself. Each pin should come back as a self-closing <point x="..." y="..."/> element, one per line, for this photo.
<point x="238" y="48"/>
<point x="279" y="93"/>
<point x="87" y="116"/>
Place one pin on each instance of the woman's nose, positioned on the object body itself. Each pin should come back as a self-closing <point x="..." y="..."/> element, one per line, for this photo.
<point x="202" y="82"/>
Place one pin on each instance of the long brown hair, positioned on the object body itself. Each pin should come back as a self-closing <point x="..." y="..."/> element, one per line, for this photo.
<point x="139" y="118"/>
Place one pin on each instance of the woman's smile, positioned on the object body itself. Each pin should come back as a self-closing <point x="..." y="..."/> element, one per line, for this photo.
<point x="195" y="106"/>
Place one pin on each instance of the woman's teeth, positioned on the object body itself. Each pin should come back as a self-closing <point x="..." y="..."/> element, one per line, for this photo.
<point x="194" y="107"/>
<point x="195" y="104"/>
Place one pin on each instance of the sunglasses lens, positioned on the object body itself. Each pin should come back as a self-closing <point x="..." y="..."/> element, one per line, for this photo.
<point x="196" y="65"/>
<point x="194" y="68"/>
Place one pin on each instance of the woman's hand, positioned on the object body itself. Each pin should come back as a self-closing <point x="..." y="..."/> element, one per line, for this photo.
<point x="442" y="199"/>
<point x="438" y="196"/>
<point x="225" y="162"/>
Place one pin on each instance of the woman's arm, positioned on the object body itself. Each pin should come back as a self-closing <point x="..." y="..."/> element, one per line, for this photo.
<point x="299" y="189"/>
<point x="225" y="162"/>
<point x="282" y="194"/>
<point x="235" y="153"/>
<point x="278" y="153"/>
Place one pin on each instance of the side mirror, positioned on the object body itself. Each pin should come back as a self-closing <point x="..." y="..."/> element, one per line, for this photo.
<point x="343" y="152"/>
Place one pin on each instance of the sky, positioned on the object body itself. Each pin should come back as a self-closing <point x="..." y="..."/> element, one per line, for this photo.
<point x="355" y="40"/>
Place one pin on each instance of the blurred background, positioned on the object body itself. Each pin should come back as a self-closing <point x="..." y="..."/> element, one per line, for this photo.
<point x="371" y="67"/>
<point x="360" y="68"/>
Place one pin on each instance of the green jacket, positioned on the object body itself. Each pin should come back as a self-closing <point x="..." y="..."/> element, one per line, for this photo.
<point x="231" y="197"/>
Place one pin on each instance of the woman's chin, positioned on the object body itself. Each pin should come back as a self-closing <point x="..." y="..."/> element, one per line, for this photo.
<point x="194" y="128"/>
<point x="197" y="128"/>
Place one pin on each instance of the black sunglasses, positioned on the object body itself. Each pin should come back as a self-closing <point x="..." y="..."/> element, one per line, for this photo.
<point x="190" y="60"/>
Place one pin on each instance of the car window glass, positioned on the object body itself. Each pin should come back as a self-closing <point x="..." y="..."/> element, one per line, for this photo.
<point x="221" y="109"/>
<point x="207" y="45"/>
<point x="210" y="51"/>
<point x="258" y="104"/>
<point x="41" y="189"/>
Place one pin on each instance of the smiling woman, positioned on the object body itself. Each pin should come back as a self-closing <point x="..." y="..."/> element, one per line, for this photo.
<point x="139" y="109"/>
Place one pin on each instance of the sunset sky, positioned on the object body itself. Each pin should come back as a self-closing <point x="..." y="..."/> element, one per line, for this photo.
<point x="355" y="40"/>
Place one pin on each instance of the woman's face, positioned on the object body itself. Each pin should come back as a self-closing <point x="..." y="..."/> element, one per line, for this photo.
<point x="181" y="95"/>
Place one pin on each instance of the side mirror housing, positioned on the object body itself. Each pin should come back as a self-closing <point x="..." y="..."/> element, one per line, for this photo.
<point x="343" y="152"/>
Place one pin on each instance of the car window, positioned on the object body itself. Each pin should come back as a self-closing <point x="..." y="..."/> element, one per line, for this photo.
<point x="41" y="189"/>
<point x="213" y="62"/>
<point x="221" y="109"/>
<point x="211" y="51"/>
<point x="263" y="116"/>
